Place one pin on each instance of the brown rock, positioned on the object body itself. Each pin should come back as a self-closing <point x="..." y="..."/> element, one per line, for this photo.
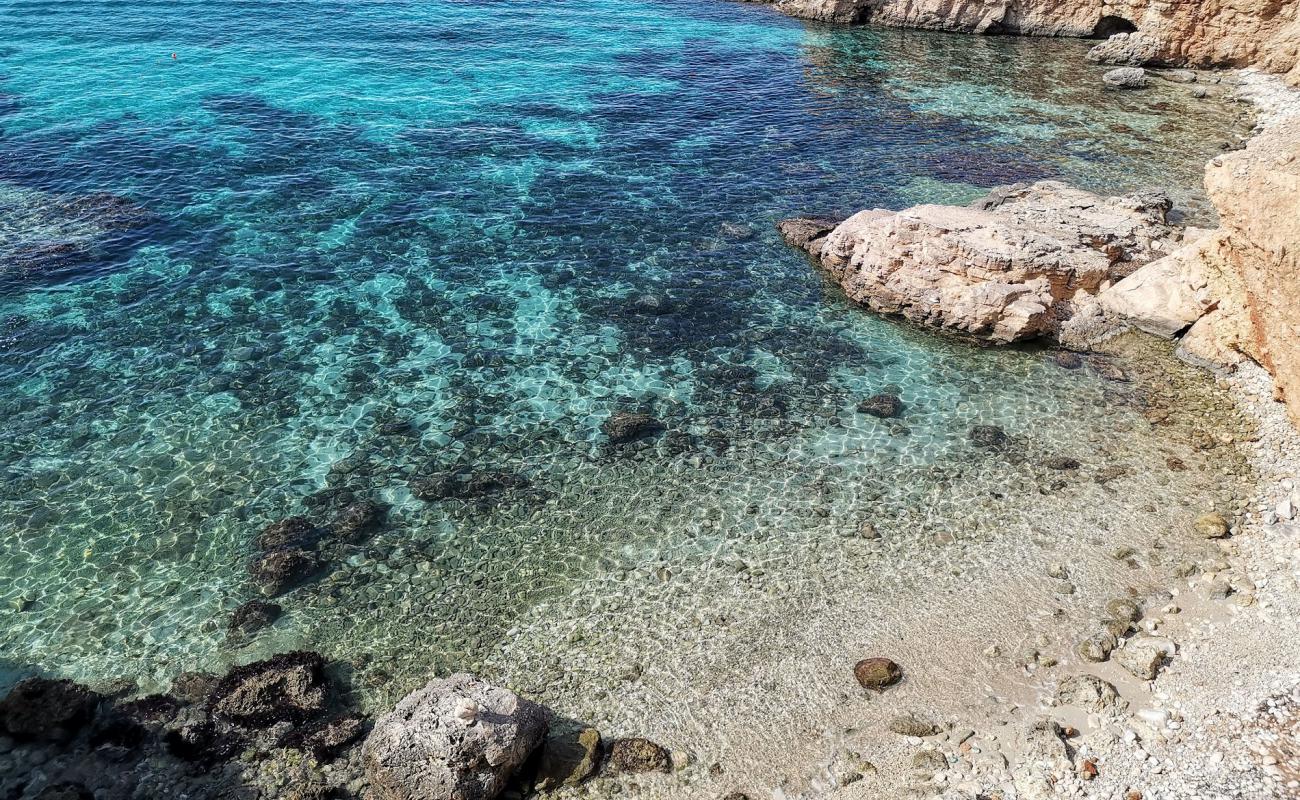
<point x="638" y="755"/>
<point x="807" y="233"/>
<point x="569" y="758"/>
<point x="877" y="673"/>
<point x="1211" y="525"/>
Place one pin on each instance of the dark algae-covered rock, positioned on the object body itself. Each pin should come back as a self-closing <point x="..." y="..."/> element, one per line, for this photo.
<point x="47" y="709"/>
<point x="884" y="405"/>
<point x="638" y="755"/>
<point x="290" y="687"/>
<point x="254" y="616"/>
<point x="622" y="427"/>
<point x="277" y="571"/>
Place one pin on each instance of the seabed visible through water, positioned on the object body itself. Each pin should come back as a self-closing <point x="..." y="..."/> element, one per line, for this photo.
<point x="366" y="243"/>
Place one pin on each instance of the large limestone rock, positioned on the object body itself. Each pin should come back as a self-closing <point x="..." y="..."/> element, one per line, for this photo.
<point x="1008" y="268"/>
<point x="1202" y="33"/>
<point x="456" y="739"/>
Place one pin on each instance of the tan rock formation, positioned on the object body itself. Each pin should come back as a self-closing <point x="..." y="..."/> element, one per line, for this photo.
<point x="1008" y="268"/>
<point x="1239" y="287"/>
<point x="1201" y="33"/>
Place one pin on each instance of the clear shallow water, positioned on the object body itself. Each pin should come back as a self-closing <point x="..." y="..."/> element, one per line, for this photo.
<point x="444" y="213"/>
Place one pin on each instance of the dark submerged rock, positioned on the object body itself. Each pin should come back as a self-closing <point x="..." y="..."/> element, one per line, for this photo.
<point x="628" y="426"/>
<point x="638" y="755"/>
<point x="291" y="532"/>
<point x="47" y="710"/>
<point x="65" y="790"/>
<point x="1062" y="463"/>
<point x="327" y="739"/>
<point x="884" y="406"/>
<point x="254" y="616"/>
<point x="193" y="687"/>
<point x="1067" y="360"/>
<point x="988" y="436"/>
<point x="357" y="520"/>
<point x="154" y="708"/>
<point x="877" y="673"/>
<point x="465" y="485"/>
<point x="568" y="758"/>
<point x="277" y="571"/>
<point x="290" y="687"/>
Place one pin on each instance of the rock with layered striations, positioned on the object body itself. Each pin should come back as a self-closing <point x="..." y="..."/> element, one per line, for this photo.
<point x="456" y="739"/>
<point x="1008" y="268"/>
<point x="1199" y="33"/>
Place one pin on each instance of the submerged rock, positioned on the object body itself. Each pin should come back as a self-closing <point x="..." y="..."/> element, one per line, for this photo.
<point x="1143" y="656"/>
<point x="1211" y="525"/>
<point x="1061" y="463"/>
<point x="254" y="616"/>
<point x="290" y="532"/>
<point x="911" y="725"/>
<point x="569" y="758"/>
<point x="327" y="739"/>
<point x="638" y="755"/>
<point x="877" y="673"/>
<point x="358" y="519"/>
<point x="462" y="485"/>
<point x="278" y="571"/>
<point x="47" y="709"/>
<point x="626" y="426"/>
<point x="456" y="739"/>
<point x="290" y="687"/>
<point x="884" y="406"/>
<point x="988" y="436"/>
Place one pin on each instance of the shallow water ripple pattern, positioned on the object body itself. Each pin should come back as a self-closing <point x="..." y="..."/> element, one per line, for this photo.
<point x="331" y="247"/>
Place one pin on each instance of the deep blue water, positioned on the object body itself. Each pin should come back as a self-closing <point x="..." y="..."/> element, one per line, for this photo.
<point x="227" y="276"/>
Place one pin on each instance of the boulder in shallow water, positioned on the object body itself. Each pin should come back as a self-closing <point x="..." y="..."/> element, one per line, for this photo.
<point x="254" y="616"/>
<point x="1087" y="692"/>
<point x="1010" y="267"/>
<point x="278" y="571"/>
<point x="1126" y="78"/>
<point x="326" y="740"/>
<point x="289" y="532"/>
<point x="1211" y="525"/>
<point x="357" y="520"/>
<point x="988" y="436"/>
<point x="877" y="673"/>
<point x="884" y="406"/>
<point x="458" y="738"/>
<point x="290" y="687"/>
<point x="627" y="426"/>
<point x="1143" y="655"/>
<point x="47" y="709"/>
<point x="569" y="758"/>
<point x="638" y="755"/>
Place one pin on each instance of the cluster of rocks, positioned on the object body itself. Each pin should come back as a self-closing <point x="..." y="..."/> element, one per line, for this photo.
<point x="457" y="738"/>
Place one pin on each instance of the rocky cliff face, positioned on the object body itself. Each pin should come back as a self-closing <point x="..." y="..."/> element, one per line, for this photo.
<point x="1236" y="291"/>
<point x="1200" y="33"/>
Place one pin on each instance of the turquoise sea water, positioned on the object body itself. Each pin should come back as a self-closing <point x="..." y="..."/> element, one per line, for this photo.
<point x="370" y="241"/>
